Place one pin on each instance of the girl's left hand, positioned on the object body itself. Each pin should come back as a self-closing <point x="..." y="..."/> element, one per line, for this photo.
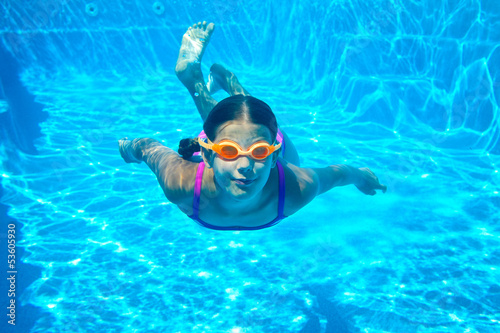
<point x="368" y="182"/>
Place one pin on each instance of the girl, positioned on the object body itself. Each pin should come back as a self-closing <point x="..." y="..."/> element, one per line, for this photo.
<point x="248" y="176"/>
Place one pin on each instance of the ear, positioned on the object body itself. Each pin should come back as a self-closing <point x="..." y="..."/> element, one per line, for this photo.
<point x="275" y="156"/>
<point x="208" y="157"/>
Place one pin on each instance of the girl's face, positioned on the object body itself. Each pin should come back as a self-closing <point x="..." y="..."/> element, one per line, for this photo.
<point x="243" y="177"/>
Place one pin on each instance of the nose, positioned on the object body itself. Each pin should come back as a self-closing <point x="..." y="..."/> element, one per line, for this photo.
<point x="245" y="164"/>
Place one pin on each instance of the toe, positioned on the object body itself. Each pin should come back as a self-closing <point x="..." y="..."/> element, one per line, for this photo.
<point x="210" y="27"/>
<point x="204" y="25"/>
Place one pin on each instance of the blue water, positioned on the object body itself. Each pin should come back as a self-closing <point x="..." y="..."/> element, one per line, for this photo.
<point x="410" y="89"/>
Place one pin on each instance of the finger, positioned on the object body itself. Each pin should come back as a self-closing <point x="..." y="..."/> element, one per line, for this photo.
<point x="383" y="188"/>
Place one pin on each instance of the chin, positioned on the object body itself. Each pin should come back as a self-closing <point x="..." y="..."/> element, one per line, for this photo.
<point x="243" y="194"/>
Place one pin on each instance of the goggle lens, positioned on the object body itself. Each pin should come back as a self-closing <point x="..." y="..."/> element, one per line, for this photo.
<point x="260" y="152"/>
<point x="232" y="150"/>
<point x="229" y="151"/>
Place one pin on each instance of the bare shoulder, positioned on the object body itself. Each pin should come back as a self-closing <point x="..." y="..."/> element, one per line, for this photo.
<point x="301" y="187"/>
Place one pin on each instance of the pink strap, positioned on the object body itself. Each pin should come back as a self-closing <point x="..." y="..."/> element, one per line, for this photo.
<point x="197" y="189"/>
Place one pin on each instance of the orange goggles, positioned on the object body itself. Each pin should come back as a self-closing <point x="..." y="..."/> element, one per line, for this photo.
<point x="230" y="150"/>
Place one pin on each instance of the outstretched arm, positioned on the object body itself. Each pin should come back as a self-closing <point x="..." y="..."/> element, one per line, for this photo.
<point x="341" y="175"/>
<point x="163" y="161"/>
<point x="148" y="150"/>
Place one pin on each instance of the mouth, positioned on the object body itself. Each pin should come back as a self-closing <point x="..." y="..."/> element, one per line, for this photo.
<point x="243" y="181"/>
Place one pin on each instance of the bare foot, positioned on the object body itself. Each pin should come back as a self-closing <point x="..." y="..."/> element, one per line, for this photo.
<point x="213" y="84"/>
<point x="194" y="42"/>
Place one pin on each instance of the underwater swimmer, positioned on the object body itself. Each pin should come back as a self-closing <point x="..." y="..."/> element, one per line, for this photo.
<point x="248" y="176"/>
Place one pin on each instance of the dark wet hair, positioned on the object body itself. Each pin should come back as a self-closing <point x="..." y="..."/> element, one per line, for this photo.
<point x="237" y="107"/>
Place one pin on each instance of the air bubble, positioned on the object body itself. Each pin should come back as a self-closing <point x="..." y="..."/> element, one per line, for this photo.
<point x="91" y="9"/>
<point x="196" y="94"/>
<point x="158" y="8"/>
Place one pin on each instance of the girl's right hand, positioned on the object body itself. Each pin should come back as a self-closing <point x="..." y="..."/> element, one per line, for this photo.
<point x="126" y="151"/>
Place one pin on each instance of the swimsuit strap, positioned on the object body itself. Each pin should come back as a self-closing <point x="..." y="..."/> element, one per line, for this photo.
<point x="281" y="202"/>
<point x="281" y="139"/>
<point x="202" y="134"/>
<point x="196" y="201"/>
<point x="197" y="190"/>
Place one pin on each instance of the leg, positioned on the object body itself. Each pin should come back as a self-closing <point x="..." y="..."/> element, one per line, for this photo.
<point x="188" y="66"/>
<point x="188" y="70"/>
<point x="221" y="78"/>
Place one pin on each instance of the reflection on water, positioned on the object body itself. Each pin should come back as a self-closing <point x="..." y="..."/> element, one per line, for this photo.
<point x="410" y="90"/>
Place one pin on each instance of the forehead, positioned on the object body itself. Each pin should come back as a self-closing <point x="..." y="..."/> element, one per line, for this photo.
<point x="243" y="133"/>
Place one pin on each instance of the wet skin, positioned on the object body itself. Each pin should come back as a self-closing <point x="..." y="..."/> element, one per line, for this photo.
<point x="240" y="181"/>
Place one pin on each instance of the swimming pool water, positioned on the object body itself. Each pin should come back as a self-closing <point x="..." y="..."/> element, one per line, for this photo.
<point x="407" y="88"/>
